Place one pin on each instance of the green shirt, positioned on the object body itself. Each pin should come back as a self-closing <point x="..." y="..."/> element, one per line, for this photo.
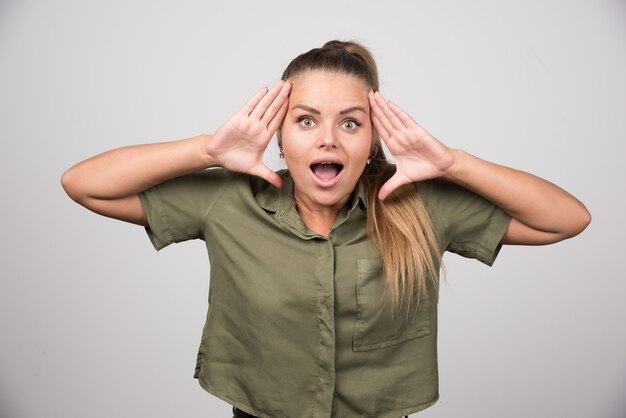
<point x="297" y="325"/>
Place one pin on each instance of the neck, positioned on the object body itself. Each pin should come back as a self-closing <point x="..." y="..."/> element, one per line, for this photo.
<point x="318" y="218"/>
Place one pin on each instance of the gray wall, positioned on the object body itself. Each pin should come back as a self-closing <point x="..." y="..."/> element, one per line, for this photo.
<point x="94" y="323"/>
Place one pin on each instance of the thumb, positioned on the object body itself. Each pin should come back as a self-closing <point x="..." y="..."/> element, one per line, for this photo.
<point x="261" y="170"/>
<point x="392" y="184"/>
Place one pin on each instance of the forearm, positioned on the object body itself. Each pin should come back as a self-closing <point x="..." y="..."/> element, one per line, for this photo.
<point x="129" y="170"/>
<point x="533" y="201"/>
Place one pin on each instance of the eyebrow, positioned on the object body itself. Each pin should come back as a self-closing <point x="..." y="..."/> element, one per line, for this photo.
<point x="317" y="112"/>
<point x="352" y="109"/>
<point x="307" y="108"/>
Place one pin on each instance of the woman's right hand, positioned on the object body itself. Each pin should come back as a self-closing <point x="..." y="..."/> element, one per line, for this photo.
<point x="239" y="144"/>
<point x="109" y="183"/>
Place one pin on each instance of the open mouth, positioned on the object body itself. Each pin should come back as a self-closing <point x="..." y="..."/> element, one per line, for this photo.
<point x="326" y="170"/>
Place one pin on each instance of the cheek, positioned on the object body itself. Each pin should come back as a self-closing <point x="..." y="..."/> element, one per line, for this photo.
<point x="289" y="143"/>
<point x="362" y="147"/>
<point x="295" y="141"/>
<point x="292" y="149"/>
<point x="283" y="135"/>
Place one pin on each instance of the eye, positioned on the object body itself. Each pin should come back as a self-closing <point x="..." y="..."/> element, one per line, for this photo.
<point x="306" y="122"/>
<point x="351" y="124"/>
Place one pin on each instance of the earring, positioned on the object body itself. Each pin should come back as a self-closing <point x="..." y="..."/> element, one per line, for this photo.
<point x="281" y="154"/>
<point x="373" y="154"/>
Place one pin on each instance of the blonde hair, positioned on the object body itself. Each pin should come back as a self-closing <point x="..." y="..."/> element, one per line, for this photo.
<point x="399" y="228"/>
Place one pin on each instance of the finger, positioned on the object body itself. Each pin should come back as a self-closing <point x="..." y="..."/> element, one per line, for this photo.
<point x="383" y="122"/>
<point x="383" y="105"/>
<point x="268" y="175"/>
<point x="402" y="115"/>
<point x="278" y="118"/>
<point x="377" y="118"/>
<point x="384" y="134"/>
<point x="247" y="108"/>
<point x="372" y="102"/>
<point x="378" y="111"/>
<point x="263" y="104"/>
<point x="277" y="104"/>
<point x="392" y="184"/>
<point x="408" y="121"/>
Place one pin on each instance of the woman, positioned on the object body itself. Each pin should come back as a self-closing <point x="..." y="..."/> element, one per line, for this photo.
<point x="323" y="297"/>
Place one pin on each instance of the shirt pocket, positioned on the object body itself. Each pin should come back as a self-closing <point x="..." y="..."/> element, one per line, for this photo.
<point x="375" y="326"/>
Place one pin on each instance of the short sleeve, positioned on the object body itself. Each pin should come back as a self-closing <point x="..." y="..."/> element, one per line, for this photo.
<point x="466" y="223"/>
<point x="176" y="209"/>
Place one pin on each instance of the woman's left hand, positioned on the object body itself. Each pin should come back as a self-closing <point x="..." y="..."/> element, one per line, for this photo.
<point x="418" y="155"/>
<point x="542" y="212"/>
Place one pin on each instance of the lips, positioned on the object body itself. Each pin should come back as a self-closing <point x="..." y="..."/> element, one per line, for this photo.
<point x="326" y="172"/>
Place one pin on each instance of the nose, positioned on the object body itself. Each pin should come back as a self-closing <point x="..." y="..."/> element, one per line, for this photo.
<point x="328" y="139"/>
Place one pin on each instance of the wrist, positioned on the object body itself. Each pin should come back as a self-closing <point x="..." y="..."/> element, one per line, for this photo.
<point x="206" y="158"/>
<point x="454" y="171"/>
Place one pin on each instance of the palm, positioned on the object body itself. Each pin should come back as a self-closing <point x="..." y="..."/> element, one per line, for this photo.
<point x="239" y="144"/>
<point x="242" y="145"/>
<point x="418" y="155"/>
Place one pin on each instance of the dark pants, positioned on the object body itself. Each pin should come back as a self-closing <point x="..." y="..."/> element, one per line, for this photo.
<point x="238" y="413"/>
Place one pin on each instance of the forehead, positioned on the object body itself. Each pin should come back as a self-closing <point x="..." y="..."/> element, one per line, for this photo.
<point x="327" y="88"/>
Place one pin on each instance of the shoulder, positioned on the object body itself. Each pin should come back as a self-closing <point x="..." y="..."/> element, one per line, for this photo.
<point x="197" y="189"/>
<point x="444" y="193"/>
<point x="239" y="189"/>
<point x="435" y="192"/>
<point x="216" y="174"/>
<point x="450" y="204"/>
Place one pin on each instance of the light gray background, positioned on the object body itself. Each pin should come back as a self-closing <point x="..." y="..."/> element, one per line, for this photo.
<point x="95" y="323"/>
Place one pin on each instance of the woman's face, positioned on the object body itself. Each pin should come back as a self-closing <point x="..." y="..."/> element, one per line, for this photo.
<point x="326" y="137"/>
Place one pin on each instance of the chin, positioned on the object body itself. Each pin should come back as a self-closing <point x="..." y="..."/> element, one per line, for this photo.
<point x="312" y="192"/>
<point x="331" y="198"/>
